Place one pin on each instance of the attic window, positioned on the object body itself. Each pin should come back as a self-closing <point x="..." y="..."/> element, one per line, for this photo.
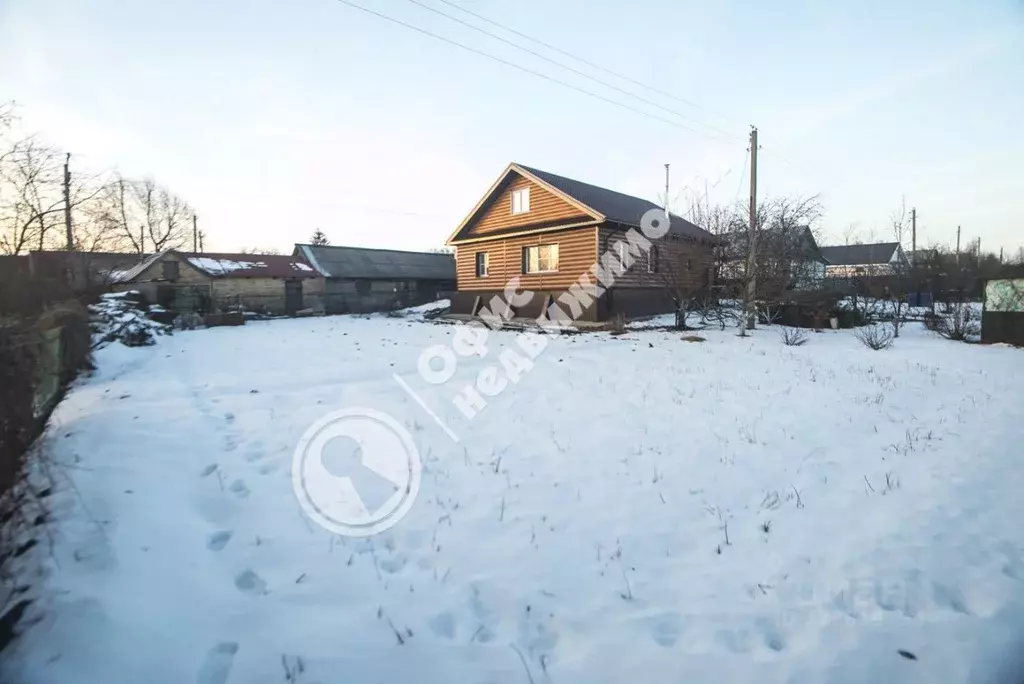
<point x="521" y="200"/>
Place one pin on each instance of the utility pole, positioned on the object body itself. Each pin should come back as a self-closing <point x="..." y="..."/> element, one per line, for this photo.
<point x="913" y="236"/>
<point x="751" y="271"/>
<point x="958" y="246"/>
<point x="1000" y="256"/>
<point x="195" y="235"/>
<point x="201" y="236"/>
<point x="67" y="203"/>
<point x="142" y="240"/>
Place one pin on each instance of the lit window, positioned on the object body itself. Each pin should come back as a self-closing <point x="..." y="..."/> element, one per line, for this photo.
<point x="481" y="264"/>
<point x="540" y="259"/>
<point x="521" y="200"/>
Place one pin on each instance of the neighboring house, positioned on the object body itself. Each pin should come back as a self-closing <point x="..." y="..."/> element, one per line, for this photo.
<point x="360" y="280"/>
<point x="788" y="259"/>
<point x="1002" y="319"/>
<point x="549" y="230"/>
<point x="264" y="283"/>
<point x="853" y="261"/>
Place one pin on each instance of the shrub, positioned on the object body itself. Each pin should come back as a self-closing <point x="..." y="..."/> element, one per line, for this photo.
<point x="76" y="336"/>
<point x="793" y="337"/>
<point x="959" y="322"/>
<point x="617" y="324"/>
<point x="876" y="336"/>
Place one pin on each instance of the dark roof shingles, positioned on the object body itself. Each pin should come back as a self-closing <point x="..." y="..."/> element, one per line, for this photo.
<point x="385" y="264"/>
<point x="851" y="255"/>
<point x="615" y="206"/>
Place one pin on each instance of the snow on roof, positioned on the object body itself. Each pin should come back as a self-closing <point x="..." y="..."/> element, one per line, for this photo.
<point x="215" y="266"/>
<point x="252" y="265"/>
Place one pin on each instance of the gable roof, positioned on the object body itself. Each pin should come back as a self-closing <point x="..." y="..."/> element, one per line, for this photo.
<point x="226" y="265"/>
<point x="129" y="274"/>
<point x="601" y="203"/>
<point x="851" y="255"/>
<point x="385" y="264"/>
<point x="614" y="206"/>
<point x="796" y="242"/>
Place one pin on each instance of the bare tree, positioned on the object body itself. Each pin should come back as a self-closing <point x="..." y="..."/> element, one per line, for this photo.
<point x="117" y="211"/>
<point x="31" y="176"/>
<point x="899" y="282"/>
<point x="166" y="218"/>
<point x="671" y="265"/>
<point x="786" y="255"/>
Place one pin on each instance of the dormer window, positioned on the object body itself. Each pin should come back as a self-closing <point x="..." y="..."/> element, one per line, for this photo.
<point x="521" y="200"/>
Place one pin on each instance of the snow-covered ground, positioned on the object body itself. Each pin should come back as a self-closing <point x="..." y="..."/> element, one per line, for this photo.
<point x="635" y="509"/>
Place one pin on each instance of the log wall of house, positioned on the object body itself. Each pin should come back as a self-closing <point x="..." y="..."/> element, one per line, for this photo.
<point x="577" y="252"/>
<point x="545" y="208"/>
<point x="674" y="255"/>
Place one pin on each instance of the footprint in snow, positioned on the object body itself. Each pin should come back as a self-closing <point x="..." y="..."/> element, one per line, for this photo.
<point x="239" y="489"/>
<point x="217" y="664"/>
<point x="665" y="630"/>
<point x="393" y="564"/>
<point x="443" y="625"/>
<point x="218" y="540"/>
<point x="229" y="417"/>
<point x="208" y="470"/>
<point x="248" y="582"/>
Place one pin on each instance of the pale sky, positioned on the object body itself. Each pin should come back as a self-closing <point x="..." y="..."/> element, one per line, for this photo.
<point x="277" y="117"/>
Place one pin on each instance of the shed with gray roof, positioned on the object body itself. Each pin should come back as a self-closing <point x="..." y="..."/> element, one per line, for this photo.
<point x="361" y="279"/>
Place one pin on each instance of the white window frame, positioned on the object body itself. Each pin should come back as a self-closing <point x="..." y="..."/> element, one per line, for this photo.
<point x="523" y="195"/>
<point x="481" y="273"/>
<point x="531" y="249"/>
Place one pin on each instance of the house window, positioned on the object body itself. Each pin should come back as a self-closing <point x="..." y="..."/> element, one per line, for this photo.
<point x="652" y="260"/>
<point x="540" y="259"/>
<point x="481" y="264"/>
<point x="170" y="270"/>
<point x="521" y="200"/>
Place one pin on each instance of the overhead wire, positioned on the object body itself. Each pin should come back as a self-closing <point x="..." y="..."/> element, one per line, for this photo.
<point x="585" y="61"/>
<point x="574" y="70"/>
<point x="520" y="67"/>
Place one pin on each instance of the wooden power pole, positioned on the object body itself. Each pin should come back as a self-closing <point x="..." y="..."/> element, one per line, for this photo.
<point x="913" y="236"/>
<point x="751" y="271"/>
<point x="958" y="246"/>
<point x="195" y="234"/>
<point x="67" y="203"/>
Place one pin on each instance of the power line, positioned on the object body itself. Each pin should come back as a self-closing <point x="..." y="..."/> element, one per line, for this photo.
<point x="584" y="61"/>
<point x="739" y="186"/>
<point x="520" y="67"/>
<point x="569" y="68"/>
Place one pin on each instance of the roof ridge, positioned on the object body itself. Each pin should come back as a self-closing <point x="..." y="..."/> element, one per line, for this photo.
<point x="534" y="169"/>
<point x="372" y="249"/>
